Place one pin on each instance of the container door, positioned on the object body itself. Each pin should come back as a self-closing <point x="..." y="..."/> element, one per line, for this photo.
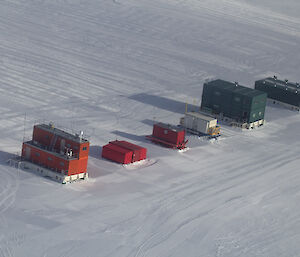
<point x="245" y="116"/>
<point x="128" y="157"/>
<point x="62" y="145"/>
<point x="27" y="153"/>
<point x="202" y="126"/>
<point x="195" y="125"/>
<point x="188" y="122"/>
<point x="136" y="156"/>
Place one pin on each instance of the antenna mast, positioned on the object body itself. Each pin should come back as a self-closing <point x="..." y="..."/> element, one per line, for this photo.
<point x="24" y="127"/>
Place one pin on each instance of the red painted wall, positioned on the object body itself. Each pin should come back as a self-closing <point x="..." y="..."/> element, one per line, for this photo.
<point x="117" y="154"/>
<point x="44" y="137"/>
<point x="169" y="135"/>
<point x="51" y="161"/>
<point x="139" y="153"/>
<point x="84" y="150"/>
<point x="78" y="166"/>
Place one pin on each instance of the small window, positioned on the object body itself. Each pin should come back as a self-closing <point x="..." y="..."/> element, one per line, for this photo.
<point x="37" y="154"/>
<point x="237" y="99"/>
<point x="49" y="158"/>
<point x="84" y="148"/>
<point x="217" y="93"/>
<point x="254" y="115"/>
<point x="68" y="145"/>
<point x="260" y="113"/>
<point x="165" y="131"/>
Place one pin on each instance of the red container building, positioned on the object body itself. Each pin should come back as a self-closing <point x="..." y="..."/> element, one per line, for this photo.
<point x="63" y="156"/>
<point x="168" y="135"/>
<point x="123" y="152"/>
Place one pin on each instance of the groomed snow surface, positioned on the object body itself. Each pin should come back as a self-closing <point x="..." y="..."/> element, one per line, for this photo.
<point x="111" y="68"/>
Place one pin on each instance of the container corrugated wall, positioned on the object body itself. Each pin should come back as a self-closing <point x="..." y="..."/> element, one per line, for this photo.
<point x="233" y="101"/>
<point x="280" y="91"/>
<point x="169" y="135"/>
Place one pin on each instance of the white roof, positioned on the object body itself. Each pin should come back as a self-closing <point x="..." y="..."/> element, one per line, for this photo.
<point x="200" y="116"/>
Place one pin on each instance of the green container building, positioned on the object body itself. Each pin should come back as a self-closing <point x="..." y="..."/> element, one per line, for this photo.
<point x="242" y="104"/>
<point x="281" y="91"/>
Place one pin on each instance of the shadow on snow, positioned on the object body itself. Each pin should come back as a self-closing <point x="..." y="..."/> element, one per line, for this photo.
<point x="163" y="103"/>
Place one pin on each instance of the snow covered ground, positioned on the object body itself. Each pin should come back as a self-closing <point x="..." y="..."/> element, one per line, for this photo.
<point x="111" y="67"/>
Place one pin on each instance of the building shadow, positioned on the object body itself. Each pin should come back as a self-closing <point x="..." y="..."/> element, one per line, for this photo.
<point x="5" y="156"/>
<point x="149" y="122"/>
<point x="130" y="136"/>
<point x="163" y="103"/>
<point x="152" y="122"/>
<point x="95" y="151"/>
<point x="275" y="112"/>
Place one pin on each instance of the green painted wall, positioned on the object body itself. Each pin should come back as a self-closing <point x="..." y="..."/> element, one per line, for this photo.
<point x="234" y="101"/>
<point x="280" y="90"/>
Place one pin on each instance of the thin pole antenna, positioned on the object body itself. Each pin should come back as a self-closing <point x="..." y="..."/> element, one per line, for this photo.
<point x="194" y="104"/>
<point x="24" y="127"/>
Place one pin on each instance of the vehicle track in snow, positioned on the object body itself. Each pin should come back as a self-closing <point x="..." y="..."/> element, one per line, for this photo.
<point x="9" y="185"/>
<point x="8" y="189"/>
<point x="176" y="200"/>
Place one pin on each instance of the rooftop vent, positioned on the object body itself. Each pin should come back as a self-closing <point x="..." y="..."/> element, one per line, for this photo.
<point x="51" y="124"/>
<point x="81" y="135"/>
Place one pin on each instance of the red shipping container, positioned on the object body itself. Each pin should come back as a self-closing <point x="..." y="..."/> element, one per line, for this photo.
<point x="171" y="136"/>
<point x="123" y="152"/>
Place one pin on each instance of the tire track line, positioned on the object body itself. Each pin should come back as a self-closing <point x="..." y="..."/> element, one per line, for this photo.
<point x="168" y="203"/>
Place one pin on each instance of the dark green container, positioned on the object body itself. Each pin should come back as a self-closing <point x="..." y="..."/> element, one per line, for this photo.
<point x="282" y="91"/>
<point x="240" y="103"/>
